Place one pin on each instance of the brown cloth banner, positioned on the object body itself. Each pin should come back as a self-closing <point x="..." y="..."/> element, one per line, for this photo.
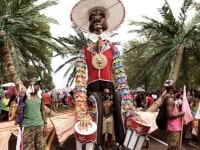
<point x="62" y="122"/>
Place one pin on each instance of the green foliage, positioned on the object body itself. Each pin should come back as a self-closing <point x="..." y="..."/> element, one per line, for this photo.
<point x="71" y="48"/>
<point x="4" y="76"/>
<point x="27" y="32"/>
<point x="70" y="52"/>
<point x="161" y="40"/>
<point x="46" y="78"/>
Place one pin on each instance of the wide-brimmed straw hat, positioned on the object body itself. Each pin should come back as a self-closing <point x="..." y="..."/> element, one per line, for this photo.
<point x="115" y="13"/>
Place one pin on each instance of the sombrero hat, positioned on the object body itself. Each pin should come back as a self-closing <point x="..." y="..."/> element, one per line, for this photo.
<point x="115" y="13"/>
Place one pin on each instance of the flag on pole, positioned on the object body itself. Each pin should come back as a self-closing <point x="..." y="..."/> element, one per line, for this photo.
<point x="186" y="108"/>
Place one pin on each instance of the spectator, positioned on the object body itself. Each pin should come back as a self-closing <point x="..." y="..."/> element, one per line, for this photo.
<point x="174" y="123"/>
<point x="12" y="107"/>
<point x="1" y="96"/>
<point x="70" y="98"/>
<point x="5" y="107"/>
<point x="46" y="97"/>
<point x="34" y="123"/>
<point x="108" y="122"/>
<point x="133" y="97"/>
<point x="149" y="99"/>
<point x="141" y="102"/>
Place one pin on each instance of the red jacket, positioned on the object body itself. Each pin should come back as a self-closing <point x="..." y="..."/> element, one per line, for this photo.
<point x="99" y="74"/>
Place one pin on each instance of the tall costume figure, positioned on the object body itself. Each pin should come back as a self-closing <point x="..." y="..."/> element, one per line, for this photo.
<point x="97" y="63"/>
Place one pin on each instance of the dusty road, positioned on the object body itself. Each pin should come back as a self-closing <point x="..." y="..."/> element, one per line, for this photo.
<point x="157" y="142"/>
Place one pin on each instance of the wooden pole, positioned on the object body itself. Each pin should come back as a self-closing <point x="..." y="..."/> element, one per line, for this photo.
<point x="48" y="146"/>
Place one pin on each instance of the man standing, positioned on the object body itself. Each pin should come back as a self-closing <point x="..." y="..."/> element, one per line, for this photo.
<point x="46" y="98"/>
<point x="174" y="123"/>
<point x="34" y="123"/>
<point x="108" y="122"/>
<point x="5" y="106"/>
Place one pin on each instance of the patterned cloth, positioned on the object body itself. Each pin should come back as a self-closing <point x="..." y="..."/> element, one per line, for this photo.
<point x="173" y="140"/>
<point x="33" y="138"/>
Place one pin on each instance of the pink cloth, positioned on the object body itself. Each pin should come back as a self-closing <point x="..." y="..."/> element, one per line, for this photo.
<point x="64" y="125"/>
<point x="174" y="124"/>
<point x="149" y="118"/>
<point x="186" y="108"/>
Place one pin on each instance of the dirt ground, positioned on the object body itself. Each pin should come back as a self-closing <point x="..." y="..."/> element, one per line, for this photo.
<point x="70" y="143"/>
<point x="157" y="142"/>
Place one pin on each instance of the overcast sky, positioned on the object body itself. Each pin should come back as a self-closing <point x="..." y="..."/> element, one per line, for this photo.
<point x="134" y="10"/>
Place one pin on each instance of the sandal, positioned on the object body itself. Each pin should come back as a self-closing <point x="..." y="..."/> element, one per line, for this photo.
<point x="191" y="144"/>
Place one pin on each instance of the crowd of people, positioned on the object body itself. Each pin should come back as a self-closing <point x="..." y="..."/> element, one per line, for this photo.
<point x="143" y="99"/>
<point x="140" y="98"/>
<point x="111" y="103"/>
<point x="8" y="103"/>
<point x="29" y="112"/>
<point x="51" y="99"/>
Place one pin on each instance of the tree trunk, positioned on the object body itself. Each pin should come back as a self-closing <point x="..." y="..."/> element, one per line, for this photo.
<point x="10" y="64"/>
<point x="177" y="65"/>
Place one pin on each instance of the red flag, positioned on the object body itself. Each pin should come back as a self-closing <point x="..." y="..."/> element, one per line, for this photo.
<point x="186" y="108"/>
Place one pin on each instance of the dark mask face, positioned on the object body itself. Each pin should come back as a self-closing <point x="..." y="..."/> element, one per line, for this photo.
<point x="98" y="23"/>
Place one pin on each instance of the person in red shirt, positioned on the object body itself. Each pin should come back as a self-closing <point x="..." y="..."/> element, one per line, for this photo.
<point x="149" y="99"/>
<point x="46" y="99"/>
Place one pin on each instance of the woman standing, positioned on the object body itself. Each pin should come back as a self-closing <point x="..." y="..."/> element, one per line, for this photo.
<point x="5" y="107"/>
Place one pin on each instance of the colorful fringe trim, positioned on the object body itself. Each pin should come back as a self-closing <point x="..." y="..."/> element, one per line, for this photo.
<point x="122" y="86"/>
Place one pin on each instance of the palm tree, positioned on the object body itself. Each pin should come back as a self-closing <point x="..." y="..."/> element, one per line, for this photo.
<point x="25" y="37"/>
<point x="167" y="42"/>
<point x="2" y="69"/>
<point x="71" y="48"/>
